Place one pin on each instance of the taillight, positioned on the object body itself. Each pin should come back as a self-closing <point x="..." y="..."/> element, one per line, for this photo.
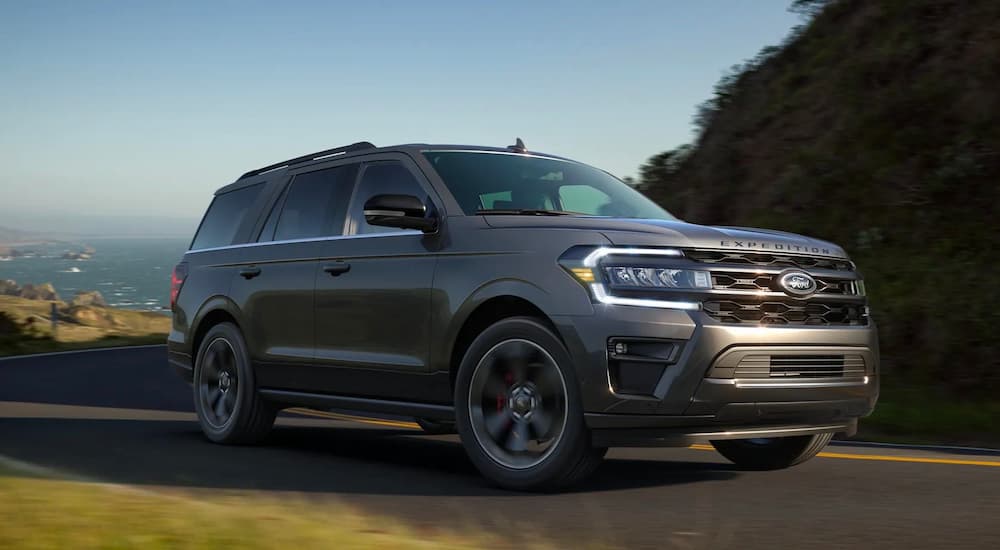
<point x="176" y="282"/>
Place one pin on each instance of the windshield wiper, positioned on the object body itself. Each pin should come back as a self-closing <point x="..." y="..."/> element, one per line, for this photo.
<point x="525" y="212"/>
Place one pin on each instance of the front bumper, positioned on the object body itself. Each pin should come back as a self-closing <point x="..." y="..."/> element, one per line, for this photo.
<point x="703" y="392"/>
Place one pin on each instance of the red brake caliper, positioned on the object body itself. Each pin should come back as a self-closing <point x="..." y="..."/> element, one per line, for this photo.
<point x="501" y="397"/>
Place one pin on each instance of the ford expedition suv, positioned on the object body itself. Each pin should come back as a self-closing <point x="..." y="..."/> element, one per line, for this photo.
<point x="541" y="308"/>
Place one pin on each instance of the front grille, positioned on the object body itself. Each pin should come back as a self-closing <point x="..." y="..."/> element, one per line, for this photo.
<point x="735" y="280"/>
<point x="800" y="366"/>
<point x="745" y="289"/>
<point x="768" y="259"/>
<point x="785" y="312"/>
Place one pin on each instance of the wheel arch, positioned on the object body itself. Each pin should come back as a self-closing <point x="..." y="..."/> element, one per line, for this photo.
<point x="214" y="311"/>
<point x="489" y="305"/>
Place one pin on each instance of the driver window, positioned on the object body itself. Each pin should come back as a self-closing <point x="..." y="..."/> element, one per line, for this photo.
<point x="585" y="199"/>
<point x="381" y="178"/>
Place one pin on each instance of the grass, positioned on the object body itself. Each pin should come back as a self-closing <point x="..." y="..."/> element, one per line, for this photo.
<point x="920" y="415"/>
<point x="49" y="513"/>
<point x="78" y="328"/>
<point x="25" y="346"/>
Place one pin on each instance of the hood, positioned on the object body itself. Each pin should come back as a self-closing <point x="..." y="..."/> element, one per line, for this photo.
<point x="640" y="232"/>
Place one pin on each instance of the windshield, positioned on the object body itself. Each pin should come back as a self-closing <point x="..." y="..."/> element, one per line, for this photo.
<point x="487" y="182"/>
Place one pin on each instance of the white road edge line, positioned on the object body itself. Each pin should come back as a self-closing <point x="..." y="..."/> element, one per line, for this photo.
<point x="55" y="474"/>
<point x="44" y="471"/>
<point x="68" y="352"/>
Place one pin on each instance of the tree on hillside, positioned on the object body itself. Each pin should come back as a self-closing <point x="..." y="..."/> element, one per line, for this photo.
<point x="876" y="126"/>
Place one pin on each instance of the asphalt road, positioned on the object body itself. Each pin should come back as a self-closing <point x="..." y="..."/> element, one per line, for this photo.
<point x="122" y="416"/>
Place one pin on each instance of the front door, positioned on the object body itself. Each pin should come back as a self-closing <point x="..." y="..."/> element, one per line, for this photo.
<point x="373" y="295"/>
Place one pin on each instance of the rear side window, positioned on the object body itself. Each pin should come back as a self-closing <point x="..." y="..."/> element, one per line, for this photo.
<point x="315" y="205"/>
<point x="224" y="217"/>
<point x="382" y="178"/>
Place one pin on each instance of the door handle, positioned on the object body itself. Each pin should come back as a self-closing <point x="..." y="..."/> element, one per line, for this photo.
<point x="337" y="269"/>
<point x="249" y="272"/>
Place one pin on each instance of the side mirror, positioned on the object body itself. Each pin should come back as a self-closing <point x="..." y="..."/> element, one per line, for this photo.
<point x="403" y="211"/>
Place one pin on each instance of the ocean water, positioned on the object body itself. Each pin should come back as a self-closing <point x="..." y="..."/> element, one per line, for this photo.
<point x="129" y="273"/>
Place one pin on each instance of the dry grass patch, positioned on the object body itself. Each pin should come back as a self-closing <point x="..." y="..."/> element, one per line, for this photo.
<point x="47" y="513"/>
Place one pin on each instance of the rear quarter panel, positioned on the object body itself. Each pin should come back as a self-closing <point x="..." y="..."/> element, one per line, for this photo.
<point x="206" y="289"/>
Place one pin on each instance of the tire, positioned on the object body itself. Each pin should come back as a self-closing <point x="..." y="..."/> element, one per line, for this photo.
<point x="772" y="453"/>
<point x="225" y="396"/>
<point x="436" y="427"/>
<point x="534" y="437"/>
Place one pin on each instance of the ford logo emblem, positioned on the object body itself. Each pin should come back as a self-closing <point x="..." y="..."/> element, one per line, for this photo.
<point x="797" y="283"/>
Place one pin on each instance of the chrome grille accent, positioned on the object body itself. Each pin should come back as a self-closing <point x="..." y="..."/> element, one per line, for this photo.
<point x="801" y="366"/>
<point x="785" y="312"/>
<point x="736" y="280"/>
<point x="768" y="259"/>
<point x="745" y="289"/>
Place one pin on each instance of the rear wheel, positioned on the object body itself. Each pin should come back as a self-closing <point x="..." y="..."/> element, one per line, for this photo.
<point x="772" y="453"/>
<point x="518" y="408"/>
<point x="225" y="396"/>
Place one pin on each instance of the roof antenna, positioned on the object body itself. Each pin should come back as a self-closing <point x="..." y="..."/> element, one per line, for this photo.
<point x="518" y="146"/>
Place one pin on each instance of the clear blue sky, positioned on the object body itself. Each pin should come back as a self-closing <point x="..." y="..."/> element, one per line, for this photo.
<point x="144" y="108"/>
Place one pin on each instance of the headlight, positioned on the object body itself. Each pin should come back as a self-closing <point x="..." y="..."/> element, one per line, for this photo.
<point x="657" y="277"/>
<point x="601" y="271"/>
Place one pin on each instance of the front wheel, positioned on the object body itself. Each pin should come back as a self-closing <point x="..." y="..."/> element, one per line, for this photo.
<point x="772" y="453"/>
<point x="518" y="408"/>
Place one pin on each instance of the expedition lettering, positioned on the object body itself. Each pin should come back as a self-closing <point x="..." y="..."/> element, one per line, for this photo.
<point x="775" y="246"/>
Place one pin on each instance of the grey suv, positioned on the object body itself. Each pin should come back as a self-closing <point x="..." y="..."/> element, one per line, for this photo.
<point x="540" y="307"/>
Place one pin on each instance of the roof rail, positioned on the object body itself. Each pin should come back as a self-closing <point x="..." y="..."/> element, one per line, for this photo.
<point x="359" y="146"/>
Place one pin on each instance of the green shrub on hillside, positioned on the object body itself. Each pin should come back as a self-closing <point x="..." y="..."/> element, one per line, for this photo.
<point x="876" y="126"/>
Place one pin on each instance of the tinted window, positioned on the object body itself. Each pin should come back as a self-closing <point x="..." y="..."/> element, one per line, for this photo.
<point x="315" y="204"/>
<point x="582" y="198"/>
<point x="267" y="233"/>
<point x="224" y="217"/>
<point x="383" y="178"/>
<point x="488" y="181"/>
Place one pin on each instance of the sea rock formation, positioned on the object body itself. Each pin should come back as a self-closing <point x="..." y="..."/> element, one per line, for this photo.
<point x="94" y="317"/>
<point x="44" y="291"/>
<point x="9" y="287"/>
<point x="88" y="298"/>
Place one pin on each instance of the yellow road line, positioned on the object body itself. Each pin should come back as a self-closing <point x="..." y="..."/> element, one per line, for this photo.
<point x="921" y="460"/>
<point x="697" y="446"/>
<point x="350" y="418"/>
<point x="888" y="458"/>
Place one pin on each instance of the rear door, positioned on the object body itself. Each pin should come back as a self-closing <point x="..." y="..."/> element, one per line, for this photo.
<point x="277" y="279"/>
<point x="373" y="307"/>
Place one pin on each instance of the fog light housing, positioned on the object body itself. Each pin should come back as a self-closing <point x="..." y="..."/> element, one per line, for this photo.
<point x="635" y="365"/>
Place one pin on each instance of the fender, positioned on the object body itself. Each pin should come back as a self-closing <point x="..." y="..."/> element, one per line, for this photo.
<point x="506" y="287"/>
<point x="211" y="305"/>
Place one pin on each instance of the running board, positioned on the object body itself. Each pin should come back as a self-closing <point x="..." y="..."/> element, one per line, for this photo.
<point x="359" y="404"/>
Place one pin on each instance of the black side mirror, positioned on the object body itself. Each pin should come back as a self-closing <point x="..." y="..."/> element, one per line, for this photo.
<point x="403" y="211"/>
